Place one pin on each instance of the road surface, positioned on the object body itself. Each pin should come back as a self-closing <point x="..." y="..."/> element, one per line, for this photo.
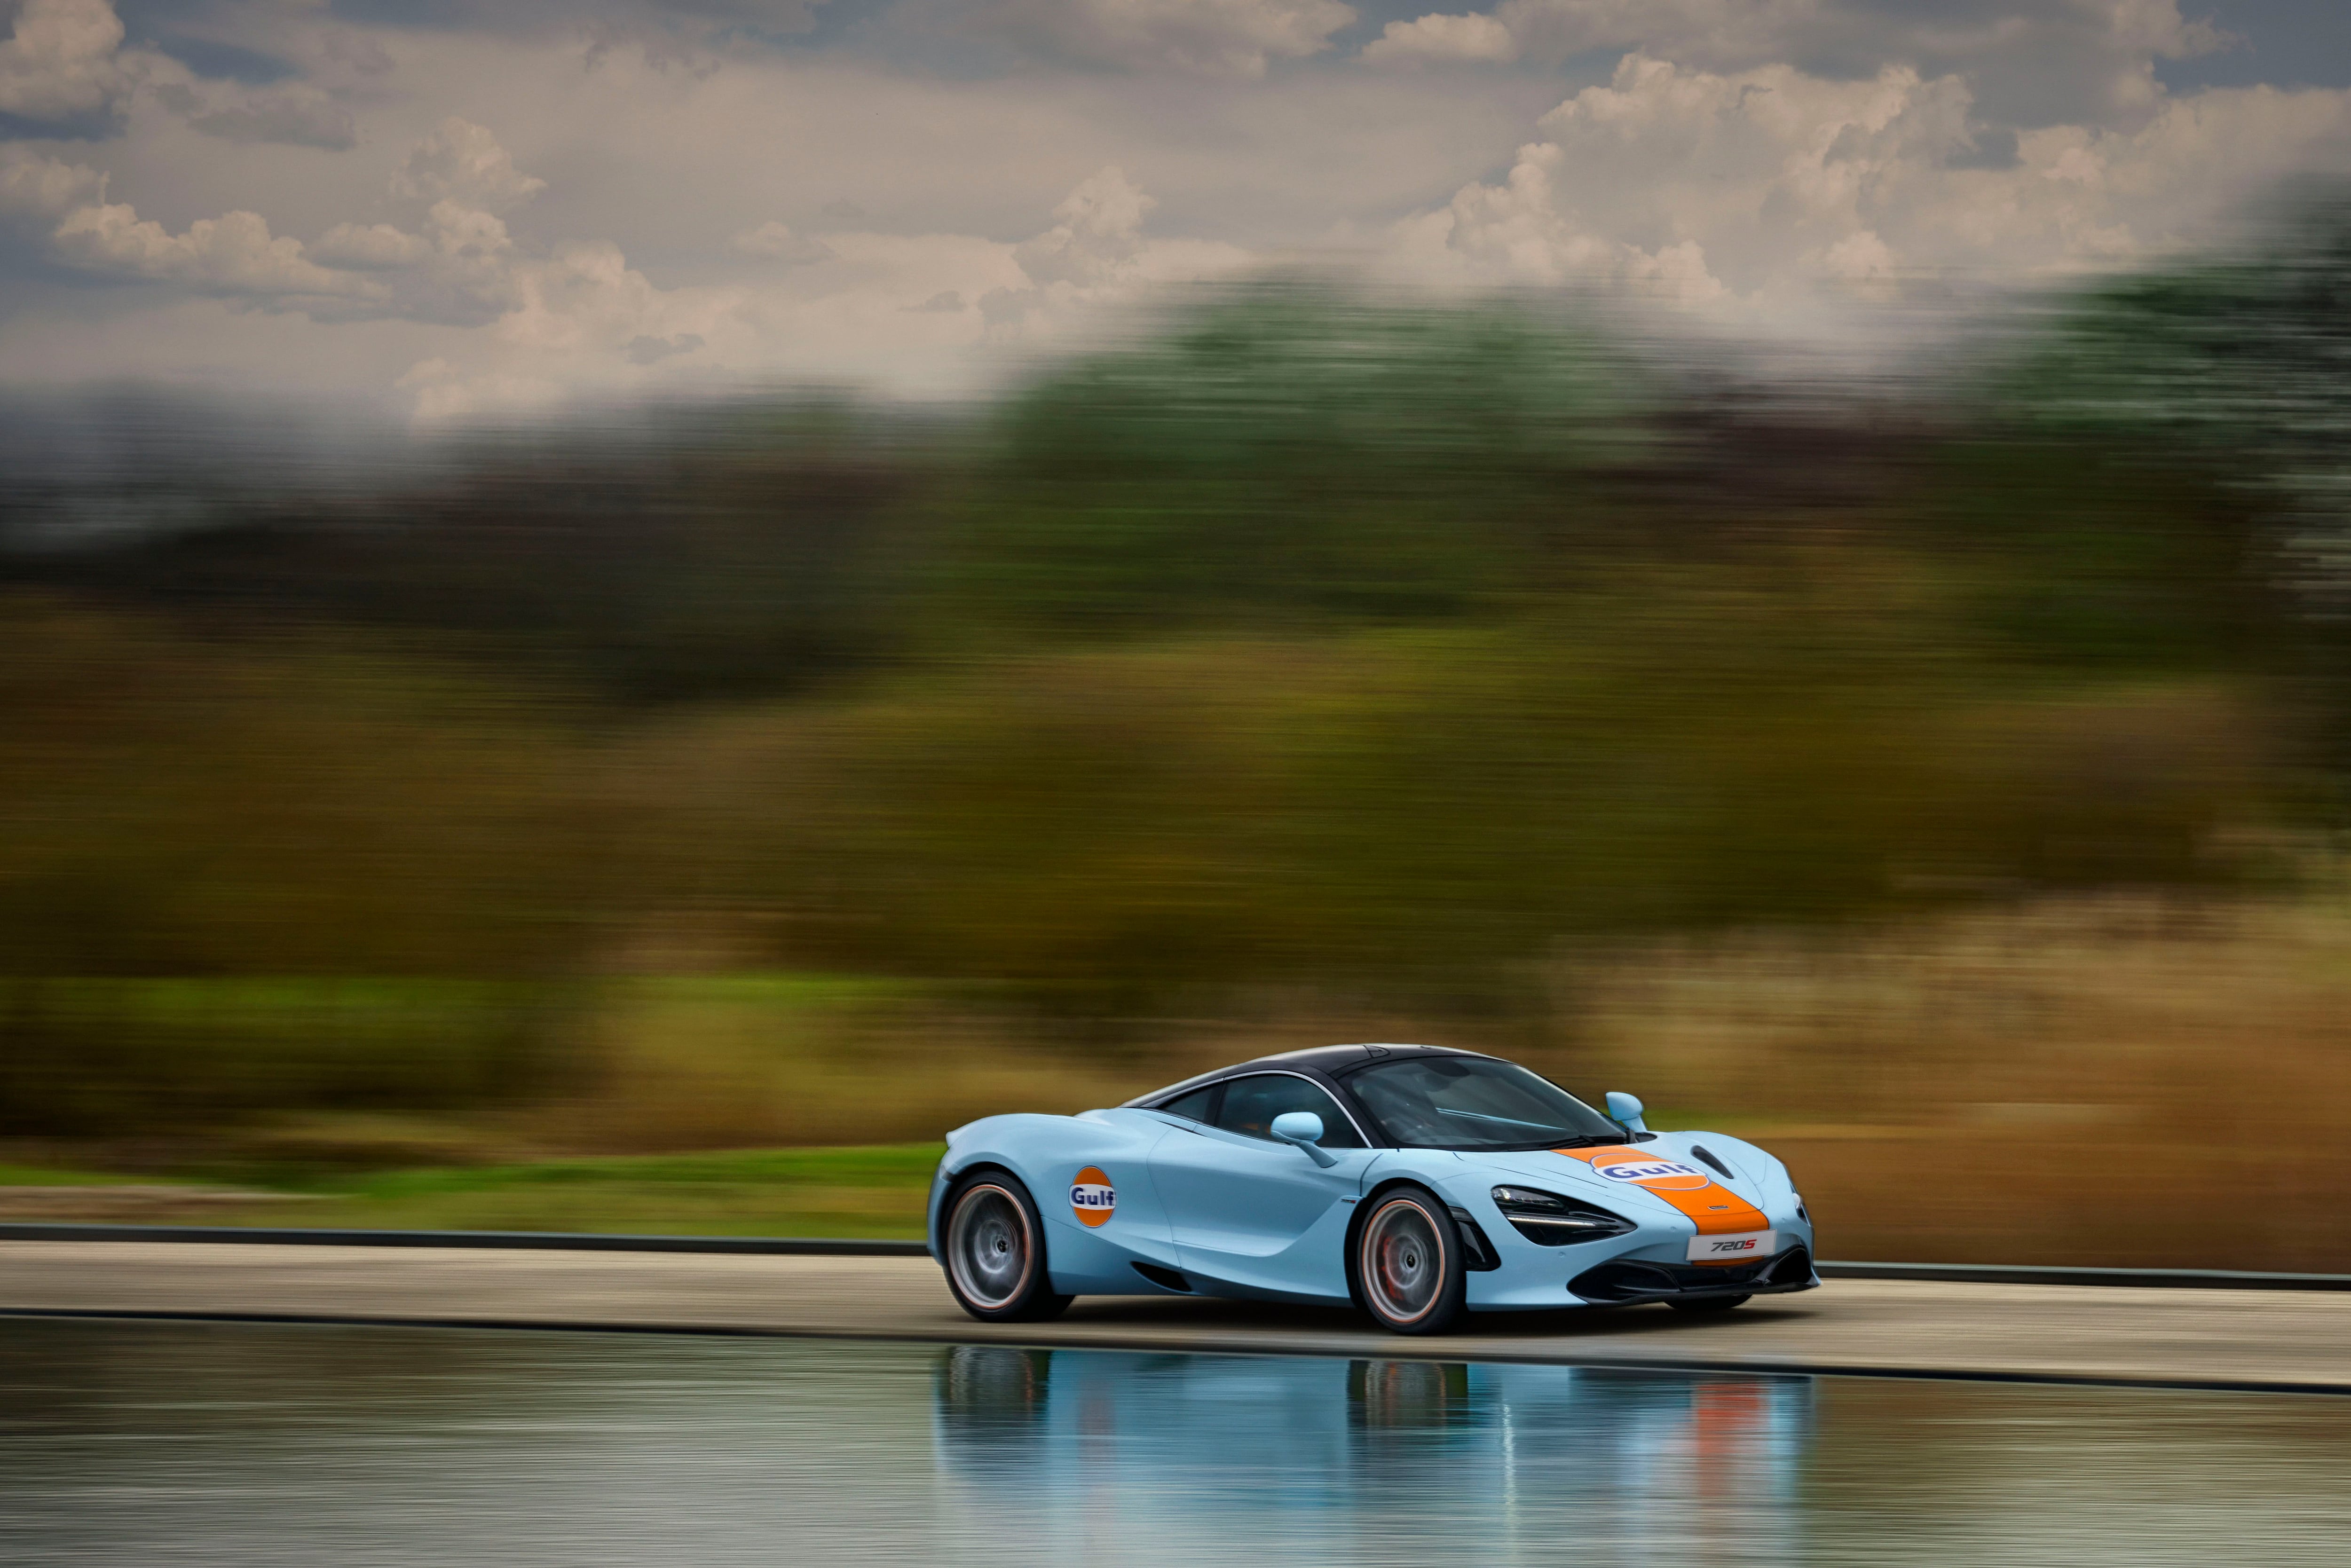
<point x="2219" y="1339"/>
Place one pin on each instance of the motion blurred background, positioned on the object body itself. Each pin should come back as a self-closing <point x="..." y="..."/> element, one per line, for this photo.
<point x="670" y="812"/>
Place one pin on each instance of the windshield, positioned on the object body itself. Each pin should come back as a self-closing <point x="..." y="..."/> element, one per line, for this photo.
<point x="1475" y="1102"/>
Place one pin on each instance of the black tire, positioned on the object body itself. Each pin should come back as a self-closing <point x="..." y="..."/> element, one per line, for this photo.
<point x="1709" y="1303"/>
<point x="992" y="1246"/>
<point x="1407" y="1263"/>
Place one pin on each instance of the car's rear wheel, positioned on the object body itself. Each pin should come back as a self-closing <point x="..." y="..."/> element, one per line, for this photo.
<point x="1407" y="1263"/>
<point x="1707" y="1303"/>
<point x="995" y="1251"/>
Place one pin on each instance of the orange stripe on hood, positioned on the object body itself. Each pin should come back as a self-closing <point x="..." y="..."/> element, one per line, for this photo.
<point x="1718" y="1210"/>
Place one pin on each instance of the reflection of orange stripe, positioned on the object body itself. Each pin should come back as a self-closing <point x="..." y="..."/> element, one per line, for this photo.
<point x="1718" y="1210"/>
<point x="1726" y="1429"/>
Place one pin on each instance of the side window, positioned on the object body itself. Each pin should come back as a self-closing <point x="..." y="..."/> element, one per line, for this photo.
<point x="1192" y="1107"/>
<point x="1251" y="1103"/>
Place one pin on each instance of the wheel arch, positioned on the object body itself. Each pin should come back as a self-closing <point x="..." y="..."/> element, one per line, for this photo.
<point x="980" y="1165"/>
<point x="1363" y="1207"/>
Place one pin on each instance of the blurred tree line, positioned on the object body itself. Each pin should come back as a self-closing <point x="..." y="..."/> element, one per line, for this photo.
<point x="1315" y="641"/>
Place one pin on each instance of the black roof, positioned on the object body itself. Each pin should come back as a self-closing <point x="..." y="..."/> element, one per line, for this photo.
<point x="1339" y="1058"/>
<point x="1327" y="1059"/>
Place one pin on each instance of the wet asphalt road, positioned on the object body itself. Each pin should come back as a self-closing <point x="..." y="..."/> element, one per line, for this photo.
<point x="2249" y="1339"/>
<point x="133" y="1445"/>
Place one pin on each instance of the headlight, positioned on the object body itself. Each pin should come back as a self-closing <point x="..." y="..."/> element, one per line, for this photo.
<point x="1550" y="1220"/>
<point x="1802" y="1212"/>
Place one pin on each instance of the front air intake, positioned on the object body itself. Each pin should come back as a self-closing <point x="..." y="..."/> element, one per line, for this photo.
<point x="1624" y="1282"/>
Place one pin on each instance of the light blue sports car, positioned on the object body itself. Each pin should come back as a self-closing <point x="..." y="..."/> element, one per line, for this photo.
<point x="1413" y="1181"/>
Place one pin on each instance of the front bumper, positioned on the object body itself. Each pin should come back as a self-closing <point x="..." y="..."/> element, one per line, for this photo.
<point x="1647" y="1265"/>
<point x="1622" y="1281"/>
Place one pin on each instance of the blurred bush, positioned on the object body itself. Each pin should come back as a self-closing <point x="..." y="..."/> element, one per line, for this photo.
<point x="1365" y="655"/>
<point x="129" y="1057"/>
<point x="1296" y="455"/>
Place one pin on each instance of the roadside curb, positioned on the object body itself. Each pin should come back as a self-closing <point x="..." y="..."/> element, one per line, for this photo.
<point x="858" y="1247"/>
<point x="2039" y="1274"/>
<point x="1491" y="1351"/>
<point x="540" y="1240"/>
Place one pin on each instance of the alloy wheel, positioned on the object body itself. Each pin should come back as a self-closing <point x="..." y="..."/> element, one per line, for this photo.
<point x="1404" y="1261"/>
<point x="989" y="1246"/>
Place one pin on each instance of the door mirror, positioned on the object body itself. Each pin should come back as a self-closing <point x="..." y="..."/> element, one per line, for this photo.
<point x="1303" y="1128"/>
<point x="1626" y="1110"/>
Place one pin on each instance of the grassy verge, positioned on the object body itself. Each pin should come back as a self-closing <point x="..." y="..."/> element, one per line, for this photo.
<point x="2125" y="1082"/>
<point x="12" y="1174"/>
<point x="876" y="1190"/>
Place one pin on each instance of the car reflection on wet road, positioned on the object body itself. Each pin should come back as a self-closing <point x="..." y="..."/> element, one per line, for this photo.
<point x="207" y="1445"/>
<point x="1349" y="1460"/>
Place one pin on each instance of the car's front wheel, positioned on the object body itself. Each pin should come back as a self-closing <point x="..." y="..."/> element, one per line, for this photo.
<point x="995" y="1251"/>
<point x="1408" y="1263"/>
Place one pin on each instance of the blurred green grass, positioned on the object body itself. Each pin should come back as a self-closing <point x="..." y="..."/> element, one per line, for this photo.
<point x="17" y="1175"/>
<point x="876" y="1190"/>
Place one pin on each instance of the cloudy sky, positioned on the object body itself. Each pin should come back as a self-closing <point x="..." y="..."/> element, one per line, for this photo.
<point x="458" y="205"/>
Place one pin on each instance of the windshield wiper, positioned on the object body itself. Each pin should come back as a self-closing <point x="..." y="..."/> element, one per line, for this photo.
<point x="1481" y="1116"/>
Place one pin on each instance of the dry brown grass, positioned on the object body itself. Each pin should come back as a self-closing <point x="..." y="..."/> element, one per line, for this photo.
<point x="722" y="1063"/>
<point x="2126" y="1081"/>
<point x="2121" y="1082"/>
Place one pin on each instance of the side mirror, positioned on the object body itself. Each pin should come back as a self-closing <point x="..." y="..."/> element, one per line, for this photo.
<point x="1304" y="1128"/>
<point x="1626" y="1110"/>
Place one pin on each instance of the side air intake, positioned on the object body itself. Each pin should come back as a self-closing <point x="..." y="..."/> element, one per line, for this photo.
<point x="1165" y="1278"/>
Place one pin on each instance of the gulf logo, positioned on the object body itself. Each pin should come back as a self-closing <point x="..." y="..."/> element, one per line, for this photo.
<point x="1657" y="1175"/>
<point x="1091" y="1197"/>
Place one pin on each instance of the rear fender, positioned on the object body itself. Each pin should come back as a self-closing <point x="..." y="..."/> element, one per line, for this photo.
<point x="1090" y="1177"/>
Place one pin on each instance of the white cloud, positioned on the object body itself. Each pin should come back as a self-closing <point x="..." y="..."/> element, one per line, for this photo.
<point x="536" y="324"/>
<point x="773" y="241"/>
<point x="582" y="318"/>
<point x="1097" y="232"/>
<point x="1758" y="185"/>
<point x="235" y="253"/>
<point x="585" y="295"/>
<point x="65" y="63"/>
<point x="1858" y="257"/>
<point x="1527" y="230"/>
<point x="1095" y="254"/>
<point x="40" y="188"/>
<point x="370" y="247"/>
<point x="2029" y="62"/>
<point x="1760" y="153"/>
<point x="60" y="62"/>
<point x="460" y="267"/>
<point x="648" y="350"/>
<point x="1475" y="37"/>
<point x="463" y="162"/>
<point x="294" y="113"/>
<point x="1665" y="175"/>
<point x="1744" y="30"/>
<point x="2157" y="27"/>
<point x="1213" y="38"/>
